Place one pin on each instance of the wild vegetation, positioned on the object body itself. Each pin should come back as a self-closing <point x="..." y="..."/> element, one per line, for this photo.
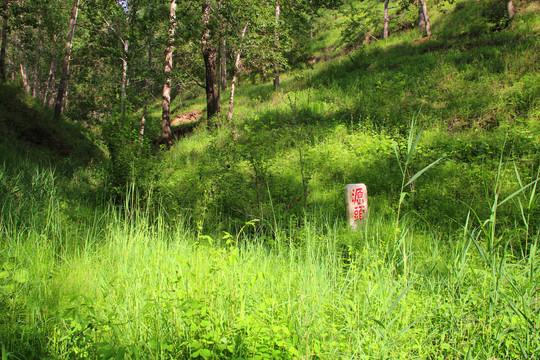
<point x="228" y="240"/>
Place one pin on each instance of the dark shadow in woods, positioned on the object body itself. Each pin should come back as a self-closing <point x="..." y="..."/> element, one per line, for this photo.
<point x="28" y="126"/>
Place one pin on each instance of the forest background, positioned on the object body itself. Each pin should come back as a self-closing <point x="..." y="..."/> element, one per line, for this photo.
<point x="173" y="174"/>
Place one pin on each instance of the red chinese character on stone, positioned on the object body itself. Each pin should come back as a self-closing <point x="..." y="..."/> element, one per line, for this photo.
<point x="357" y="196"/>
<point x="357" y="204"/>
<point x="358" y="213"/>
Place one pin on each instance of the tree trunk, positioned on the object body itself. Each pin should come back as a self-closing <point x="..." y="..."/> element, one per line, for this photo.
<point x="209" y="55"/>
<point x="276" y="45"/>
<point x="124" y="76"/>
<point x="12" y="62"/>
<point x="141" y="131"/>
<point x="147" y="83"/>
<point x="425" y="17"/>
<point x="63" y="79"/>
<point x="166" y="133"/>
<point x="421" y="20"/>
<point x="385" y="31"/>
<point x="311" y="18"/>
<point x="510" y="10"/>
<point x="24" y="77"/>
<point x="223" y="64"/>
<point x="66" y="98"/>
<point x="5" y="16"/>
<point x="36" y="62"/>
<point x="239" y="75"/>
<point x="50" y="78"/>
<point x="236" y="71"/>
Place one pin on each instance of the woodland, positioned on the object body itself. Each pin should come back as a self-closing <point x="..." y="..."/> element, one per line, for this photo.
<point x="172" y="179"/>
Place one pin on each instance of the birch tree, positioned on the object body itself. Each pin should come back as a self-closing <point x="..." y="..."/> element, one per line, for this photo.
<point x="35" y="75"/>
<point x="236" y="72"/>
<point x="51" y="75"/>
<point x="166" y="133"/>
<point x="423" y="17"/>
<point x="276" y="44"/>
<point x="223" y="63"/>
<point x="386" y="19"/>
<point x="65" y="69"/>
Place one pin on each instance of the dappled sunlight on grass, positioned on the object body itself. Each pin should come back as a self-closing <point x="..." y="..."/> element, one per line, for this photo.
<point x="233" y="244"/>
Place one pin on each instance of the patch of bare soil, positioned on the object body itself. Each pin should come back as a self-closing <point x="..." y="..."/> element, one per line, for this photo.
<point x="189" y="117"/>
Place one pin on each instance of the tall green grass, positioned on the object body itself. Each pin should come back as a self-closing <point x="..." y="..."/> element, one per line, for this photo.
<point x="468" y="86"/>
<point x="128" y="284"/>
<point x="221" y="259"/>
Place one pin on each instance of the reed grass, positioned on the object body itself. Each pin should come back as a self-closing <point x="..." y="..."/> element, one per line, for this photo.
<point x="129" y="285"/>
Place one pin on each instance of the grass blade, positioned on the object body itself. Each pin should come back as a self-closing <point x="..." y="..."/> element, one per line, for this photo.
<point x="415" y="176"/>
<point x="399" y="298"/>
<point x="397" y="157"/>
<point x="517" y="192"/>
<point x="410" y="150"/>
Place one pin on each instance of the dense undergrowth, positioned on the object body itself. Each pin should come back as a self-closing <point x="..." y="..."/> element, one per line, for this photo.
<point x="124" y="284"/>
<point x="475" y="91"/>
<point x="233" y="244"/>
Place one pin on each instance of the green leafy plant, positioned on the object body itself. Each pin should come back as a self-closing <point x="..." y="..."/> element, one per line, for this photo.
<point x="407" y="180"/>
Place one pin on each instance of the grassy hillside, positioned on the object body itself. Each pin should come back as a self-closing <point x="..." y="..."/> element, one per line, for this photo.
<point x="233" y="244"/>
<point x="474" y="91"/>
<point x="28" y="127"/>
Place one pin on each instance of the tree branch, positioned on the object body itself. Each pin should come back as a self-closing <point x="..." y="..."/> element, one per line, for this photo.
<point x="198" y="83"/>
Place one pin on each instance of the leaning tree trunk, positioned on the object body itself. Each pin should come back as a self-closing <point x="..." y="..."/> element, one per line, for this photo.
<point x="385" y="31"/>
<point x="63" y="79"/>
<point x="209" y="55"/>
<point x="236" y="72"/>
<point x="5" y="16"/>
<point x="276" y="45"/>
<point x="166" y="133"/>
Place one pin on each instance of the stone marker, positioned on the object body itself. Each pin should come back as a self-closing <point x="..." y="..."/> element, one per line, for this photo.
<point x="357" y="206"/>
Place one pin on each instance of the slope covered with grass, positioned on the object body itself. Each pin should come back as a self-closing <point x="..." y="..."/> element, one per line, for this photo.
<point x="234" y="245"/>
<point x="475" y="91"/>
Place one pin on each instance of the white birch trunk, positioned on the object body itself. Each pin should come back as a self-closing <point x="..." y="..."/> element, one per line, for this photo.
<point x="65" y="70"/>
<point x="124" y="75"/>
<point x="35" y="82"/>
<point x="510" y="8"/>
<point x="236" y="71"/>
<point x="24" y="78"/>
<point x="276" y="39"/>
<point x="385" y="31"/>
<point x="223" y="64"/>
<point x="50" y="78"/>
<point x="426" y="17"/>
<point x="166" y="133"/>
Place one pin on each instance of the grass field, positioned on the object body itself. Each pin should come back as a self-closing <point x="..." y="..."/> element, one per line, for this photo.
<point x="124" y="285"/>
<point x="233" y="244"/>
